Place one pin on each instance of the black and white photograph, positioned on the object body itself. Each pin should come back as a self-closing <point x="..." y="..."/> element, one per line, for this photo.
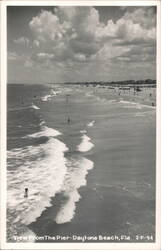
<point x="81" y="124"/>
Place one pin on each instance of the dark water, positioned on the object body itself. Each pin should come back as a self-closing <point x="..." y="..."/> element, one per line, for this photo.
<point x="87" y="161"/>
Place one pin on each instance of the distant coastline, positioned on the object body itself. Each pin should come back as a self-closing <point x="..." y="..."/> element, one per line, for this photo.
<point x="146" y="83"/>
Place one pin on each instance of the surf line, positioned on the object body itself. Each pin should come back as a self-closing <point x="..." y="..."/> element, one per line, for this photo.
<point x="75" y="178"/>
<point x="85" y="144"/>
<point x="40" y="195"/>
<point x="90" y="124"/>
<point x="34" y="106"/>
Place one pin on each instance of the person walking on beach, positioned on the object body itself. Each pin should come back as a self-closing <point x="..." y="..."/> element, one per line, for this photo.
<point x="26" y="193"/>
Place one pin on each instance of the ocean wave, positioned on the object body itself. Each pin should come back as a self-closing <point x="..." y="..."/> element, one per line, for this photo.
<point x="49" y="96"/>
<point x="140" y="114"/>
<point x="112" y="101"/>
<point x="131" y="104"/>
<point x="90" y="124"/>
<point x="75" y="178"/>
<point x="19" y="108"/>
<point x="46" y="98"/>
<point x="42" y="122"/>
<point x="89" y="94"/>
<point x="83" y="131"/>
<point x="146" y="113"/>
<point x="23" y="108"/>
<point x="101" y="99"/>
<point x="34" y="106"/>
<point x="46" y="131"/>
<point x="42" y="170"/>
<point x="85" y="144"/>
<point x="136" y="105"/>
<point x="148" y="106"/>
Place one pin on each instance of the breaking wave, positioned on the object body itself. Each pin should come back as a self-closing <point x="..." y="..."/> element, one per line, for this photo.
<point x="75" y="178"/>
<point x="46" y="98"/>
<point x="34" y="106"/>
<point x="90" y="124"/>
<point x="136" y="105"/>
<point x="46" y="131"/>
<point x="85" y="144"/>
<point x="42" y="170"/>
<point x="19" y="108"/>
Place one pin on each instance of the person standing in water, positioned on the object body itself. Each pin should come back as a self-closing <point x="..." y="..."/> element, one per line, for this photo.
<point x="26" y="193"/>
<point x="68" y="120"/>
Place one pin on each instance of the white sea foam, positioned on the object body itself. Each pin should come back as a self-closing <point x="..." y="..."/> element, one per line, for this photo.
<point x="19" y="108"/>
<point x="148" y="106"/>
<point x="112" y="101"/>
<point x="46" y="98"/>
<point x="89" y="94"/>
<point x="55" y="92"/>
<point x="42" y="123"/>
<point x="28" y="236"/>
<point x="49" y="96"/>
<point x="85" y="144"/>
<point x="140" y="114"/>
<point x="75" y="178"/>
<point x="23" y="108"/>
<point x="34" y="106"/>
<point x="136" y="105"/>
<point x="90" y="124"/>
<point x="83" y="131"/>
<point x="131" y="104"/>
<point x="151" y="112"/>
<point x="45" y="132"/>
<point x="19" y="233"/>
<point x="42" y="170"/>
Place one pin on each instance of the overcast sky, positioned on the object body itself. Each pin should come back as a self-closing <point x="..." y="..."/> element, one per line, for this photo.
<point x="61" y="44"/>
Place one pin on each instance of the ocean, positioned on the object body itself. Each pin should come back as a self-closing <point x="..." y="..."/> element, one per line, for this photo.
<point x="87" y="158"/>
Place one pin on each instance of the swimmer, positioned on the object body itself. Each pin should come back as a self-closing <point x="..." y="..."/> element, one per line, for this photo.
<point x="26" y="193"/>
<point x="68" y="120"/>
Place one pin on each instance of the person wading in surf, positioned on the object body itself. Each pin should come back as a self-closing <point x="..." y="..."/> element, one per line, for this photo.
<point x="26" y="193"/>
<point x="68" y="120"/>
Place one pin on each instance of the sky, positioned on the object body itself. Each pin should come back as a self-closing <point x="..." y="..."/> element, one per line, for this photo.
<point x="80" y="43"/>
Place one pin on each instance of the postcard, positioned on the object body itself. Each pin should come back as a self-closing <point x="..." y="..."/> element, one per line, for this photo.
<point x="80" y="125"/>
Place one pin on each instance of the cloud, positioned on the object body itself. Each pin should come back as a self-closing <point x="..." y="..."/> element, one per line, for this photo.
<point x="28" y="63"/>
<point x="75" y="38"/>
<point x="72" y="27"/>
<point x="12" y="56"/>
<point x="42" y="58"/>
<point x="80" y="57"/>
<point x="45" y="55"/>
<point x="138" y="54"/>
<point x="36" y="43"/>
<point x="145" y="16"/>
<point x="22" y="40"/>
<point x="46" y="26"/>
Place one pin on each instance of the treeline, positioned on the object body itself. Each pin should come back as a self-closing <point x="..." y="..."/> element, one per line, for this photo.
<point x="117" y="83"/>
